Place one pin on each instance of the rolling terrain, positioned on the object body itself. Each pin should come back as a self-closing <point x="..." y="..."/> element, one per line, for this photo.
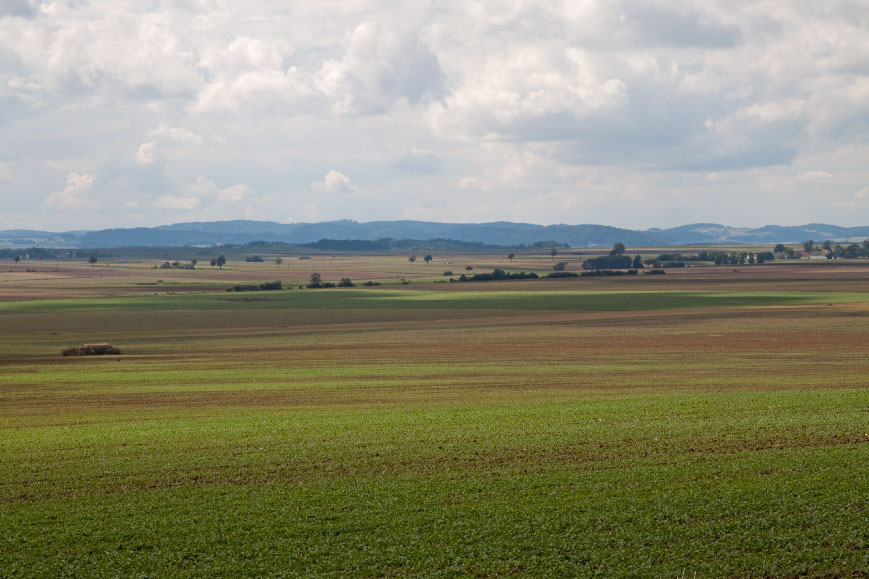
<point x="710" y="421"/>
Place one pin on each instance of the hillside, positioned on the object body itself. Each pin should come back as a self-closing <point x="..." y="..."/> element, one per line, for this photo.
<point x="495" y="233"/>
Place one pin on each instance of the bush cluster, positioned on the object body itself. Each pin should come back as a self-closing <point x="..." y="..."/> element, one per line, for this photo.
<point x="265" y="286"/>
<point x="498" y="274"/>
<point x="608" y="272"/>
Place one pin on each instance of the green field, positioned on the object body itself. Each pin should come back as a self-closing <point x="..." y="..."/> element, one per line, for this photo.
<point x="690" y="426"/>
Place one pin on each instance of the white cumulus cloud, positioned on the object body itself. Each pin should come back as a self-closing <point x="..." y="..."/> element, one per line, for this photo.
<point x="234" y="193"/>
<point x="333" y="182"/>
<point x="145" y="154"/>
<point x="175" y="134"/>
<point x="72" y="196"/>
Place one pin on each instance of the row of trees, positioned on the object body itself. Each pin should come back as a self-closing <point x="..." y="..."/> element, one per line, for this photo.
<point x="426" y="259"/>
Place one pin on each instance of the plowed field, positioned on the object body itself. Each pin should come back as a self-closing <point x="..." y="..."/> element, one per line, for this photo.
<point x="711" y="423"/>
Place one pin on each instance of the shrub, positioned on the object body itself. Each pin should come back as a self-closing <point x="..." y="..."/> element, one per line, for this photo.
<point x="608" y="262"/>
<point x="559" y="274"/>
<point x="656" y="272"/>
<point x="448" y="273"/>
<point x="345" y="282"/>
<point x="498" y="274"/>
<point x="560" y="266"/>
<point x="266" y="286"/>
<point x="370" y="283"/>
<point x="608" y="272"/>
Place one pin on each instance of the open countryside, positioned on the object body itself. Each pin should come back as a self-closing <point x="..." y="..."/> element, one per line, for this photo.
<point x="711" y="420"/>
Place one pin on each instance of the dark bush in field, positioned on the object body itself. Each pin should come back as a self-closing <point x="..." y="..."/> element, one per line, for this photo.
<point x="370" y="283"/>
<point x="557" y="274"/>
<point x="656" y="272"/>
<point x="92" y="350"/>
<point x="254" y="258"/>
<point x="608" y="262"/>
<point x="345" y="282"/>
<point x="498" y="274"/>
<point x="175" y="265"/>
<point x="559" y="266"/>
<point x="448" y="273"/>
<point x="265" y="286"/>
<point x="607" y="272"/>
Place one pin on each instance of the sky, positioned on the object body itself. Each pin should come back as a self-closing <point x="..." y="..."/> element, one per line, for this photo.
<point x="634" y="114"/>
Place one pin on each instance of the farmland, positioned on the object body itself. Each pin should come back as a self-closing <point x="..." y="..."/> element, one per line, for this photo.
<point x="711" y="421"/>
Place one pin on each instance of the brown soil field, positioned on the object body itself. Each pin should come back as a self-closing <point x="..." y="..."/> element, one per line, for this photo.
<point x="64" y="280"/>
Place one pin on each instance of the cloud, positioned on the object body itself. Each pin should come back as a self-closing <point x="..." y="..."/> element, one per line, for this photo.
<point x="657" y="26"/>
<point x="379" y="66"/>
<point x="544" y="111"/>
<point x="234" y="193"/>
<point x="175" y="134"/>
<point x="145" y="154"/>
<point x="73" y="195"/>
<point x="203" y="187"/>
<point x="333" y="182"/>
<point x="165" y="135"/>
<point x="16" y="8"/>
<point x="206" y="189"/>
<point x="420" y="162"/>
<point x="173" y="202"/>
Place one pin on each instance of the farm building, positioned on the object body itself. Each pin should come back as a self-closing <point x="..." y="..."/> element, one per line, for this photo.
<point x="100" y="349"/>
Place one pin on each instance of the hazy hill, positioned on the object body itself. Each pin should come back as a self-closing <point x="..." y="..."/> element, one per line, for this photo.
<point x="494" y="233"/>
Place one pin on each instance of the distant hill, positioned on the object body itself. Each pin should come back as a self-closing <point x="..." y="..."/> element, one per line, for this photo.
<point x="501" y="233"/>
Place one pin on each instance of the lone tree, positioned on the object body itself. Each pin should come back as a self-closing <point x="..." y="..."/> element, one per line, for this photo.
<point x="510" y="256"/>
<point x="193" y="263"/>
<point x="469" y="268"/>
<point x="427" y="258"/>
<point x="553" y="252"/>
<point x="16" y="259"/>
<point x="638" y="262"/>
<point x="411" y="259"/>
<point x="779" y="248"/>
<point x="618" y="248"/>
<point x="809" y="246"/>
<point x="221" y="261"/>
<point x="828" y="245"/>
<point x="315" y="280"/>
<point x="213" y="261"/>
<point x="92" y="260"/>
<point x="278" y="262"/>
